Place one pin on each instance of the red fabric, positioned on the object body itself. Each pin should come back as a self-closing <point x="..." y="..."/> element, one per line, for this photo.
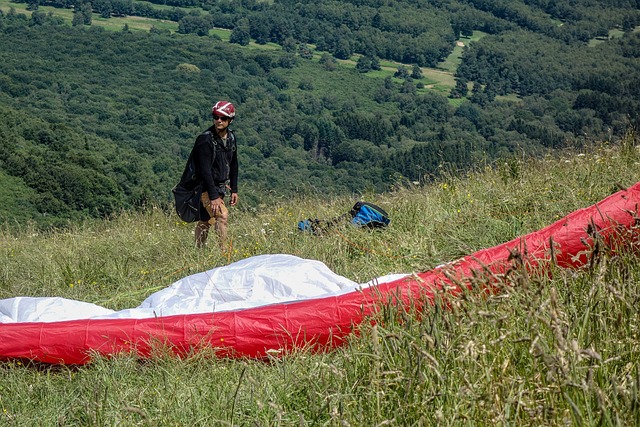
<point x="321" y="322"/>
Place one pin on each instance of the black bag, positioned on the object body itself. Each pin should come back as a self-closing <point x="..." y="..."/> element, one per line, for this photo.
<point x="187" y="202"/>
<point x="188" y="191"/>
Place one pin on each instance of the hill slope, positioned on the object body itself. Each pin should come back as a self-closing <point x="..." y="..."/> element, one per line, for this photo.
<point x="103" y="121"/>
<point x="548" y="351"/>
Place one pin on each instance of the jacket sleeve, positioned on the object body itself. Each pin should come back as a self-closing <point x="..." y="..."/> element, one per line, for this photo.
<point x="203" y="160"/>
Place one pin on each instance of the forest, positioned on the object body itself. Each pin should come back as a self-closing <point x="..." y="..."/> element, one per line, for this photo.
<point x="94" y="122"/>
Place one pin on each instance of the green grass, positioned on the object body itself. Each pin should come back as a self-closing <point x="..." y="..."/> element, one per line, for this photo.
<point x="613" y="34"/>
<point x="222" y="33"/>
<point x="555" y="350"/>
<point x="133" y="23"/>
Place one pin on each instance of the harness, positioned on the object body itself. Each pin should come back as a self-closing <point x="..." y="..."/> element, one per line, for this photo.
<point x="231" y="146"/>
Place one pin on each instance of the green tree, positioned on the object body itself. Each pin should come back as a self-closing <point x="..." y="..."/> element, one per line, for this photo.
<point x="103" y="7"/>
<point x="78" y="19"/>
<point x="38" y="18"/>
<point x="364" y="64"/>
<point x="241" y="36"/>
<point x="461" y="89"/>
<point x="401" y="72"/>
<point x="328" y="62"/>
<point x="416" y="72"/>
<point x="304" y="51"/>
<point x="87" y="11"/>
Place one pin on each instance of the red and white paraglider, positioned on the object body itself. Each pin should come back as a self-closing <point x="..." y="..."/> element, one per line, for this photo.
<point x="274" y="303"/>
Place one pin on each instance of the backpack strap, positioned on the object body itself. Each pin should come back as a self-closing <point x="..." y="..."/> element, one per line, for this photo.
<point x="211" y="139"/>
<point x="213" y="143"/>
<point x="231" y="140"/>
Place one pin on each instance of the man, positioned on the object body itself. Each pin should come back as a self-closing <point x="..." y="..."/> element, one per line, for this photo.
<point x="215" y="158"/>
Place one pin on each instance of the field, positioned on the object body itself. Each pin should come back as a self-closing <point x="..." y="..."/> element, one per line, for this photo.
<point x="554" y="350"/>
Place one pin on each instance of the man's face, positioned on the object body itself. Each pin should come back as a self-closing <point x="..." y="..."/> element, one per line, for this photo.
<point x="221" y="122"/>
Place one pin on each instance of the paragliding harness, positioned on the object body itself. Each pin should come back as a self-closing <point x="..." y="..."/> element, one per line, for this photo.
<point x="188" y="191"/>
<point x="362" y="214"/>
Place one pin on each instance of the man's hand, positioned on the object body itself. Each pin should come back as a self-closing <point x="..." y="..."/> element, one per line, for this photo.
<point x="234" y="199"/>
<point x="216" y="203"/>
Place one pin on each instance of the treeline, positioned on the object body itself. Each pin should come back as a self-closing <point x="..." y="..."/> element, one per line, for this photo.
<point x="92" y="122"/>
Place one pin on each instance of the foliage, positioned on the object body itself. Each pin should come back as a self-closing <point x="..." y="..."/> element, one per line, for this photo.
<point x="545" y="350"/>
<point x="107" y="119"/>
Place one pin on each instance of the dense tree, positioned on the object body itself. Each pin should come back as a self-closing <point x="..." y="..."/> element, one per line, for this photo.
<point x="241" y="36"/>
<point x="78" y="19"/>
<point x="194" y="24"/>
<point x="401" y="72"/>
<point x="328" y="62"/>
<point x="365" y="64"/>
<point x="102" y="7"/>
<point x="86" y="9"/>
<point x="102" y="121"/>
<point x="416" y="72"/>
<point x="406" y="31"/>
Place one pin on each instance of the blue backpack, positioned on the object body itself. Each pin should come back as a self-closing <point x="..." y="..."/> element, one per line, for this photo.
<point x="362" y="214"/>
<point x="369" y="215"/>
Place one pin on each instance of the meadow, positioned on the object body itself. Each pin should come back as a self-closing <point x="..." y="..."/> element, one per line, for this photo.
<point x="563" y="349"/>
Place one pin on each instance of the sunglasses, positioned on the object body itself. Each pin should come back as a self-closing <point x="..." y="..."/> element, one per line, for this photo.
<point x="223" y="118"/>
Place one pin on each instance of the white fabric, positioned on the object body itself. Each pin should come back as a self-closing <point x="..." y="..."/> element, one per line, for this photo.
<point x="252" y="282"/>
<point x="47" y="309"/>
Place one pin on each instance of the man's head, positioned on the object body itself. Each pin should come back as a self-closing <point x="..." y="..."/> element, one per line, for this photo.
<point x="223" y="113"/>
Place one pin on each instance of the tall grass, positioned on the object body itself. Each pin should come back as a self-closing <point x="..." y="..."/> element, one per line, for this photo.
<point x="554" y="350"/>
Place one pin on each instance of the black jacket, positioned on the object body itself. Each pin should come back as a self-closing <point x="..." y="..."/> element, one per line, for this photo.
<point x="216" y="164"/>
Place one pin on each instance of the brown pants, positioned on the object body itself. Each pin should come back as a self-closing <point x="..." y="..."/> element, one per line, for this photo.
<point x="218" y="220"/>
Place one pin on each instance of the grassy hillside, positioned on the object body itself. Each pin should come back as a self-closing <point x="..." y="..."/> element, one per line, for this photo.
<point x="561" y="350"/>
